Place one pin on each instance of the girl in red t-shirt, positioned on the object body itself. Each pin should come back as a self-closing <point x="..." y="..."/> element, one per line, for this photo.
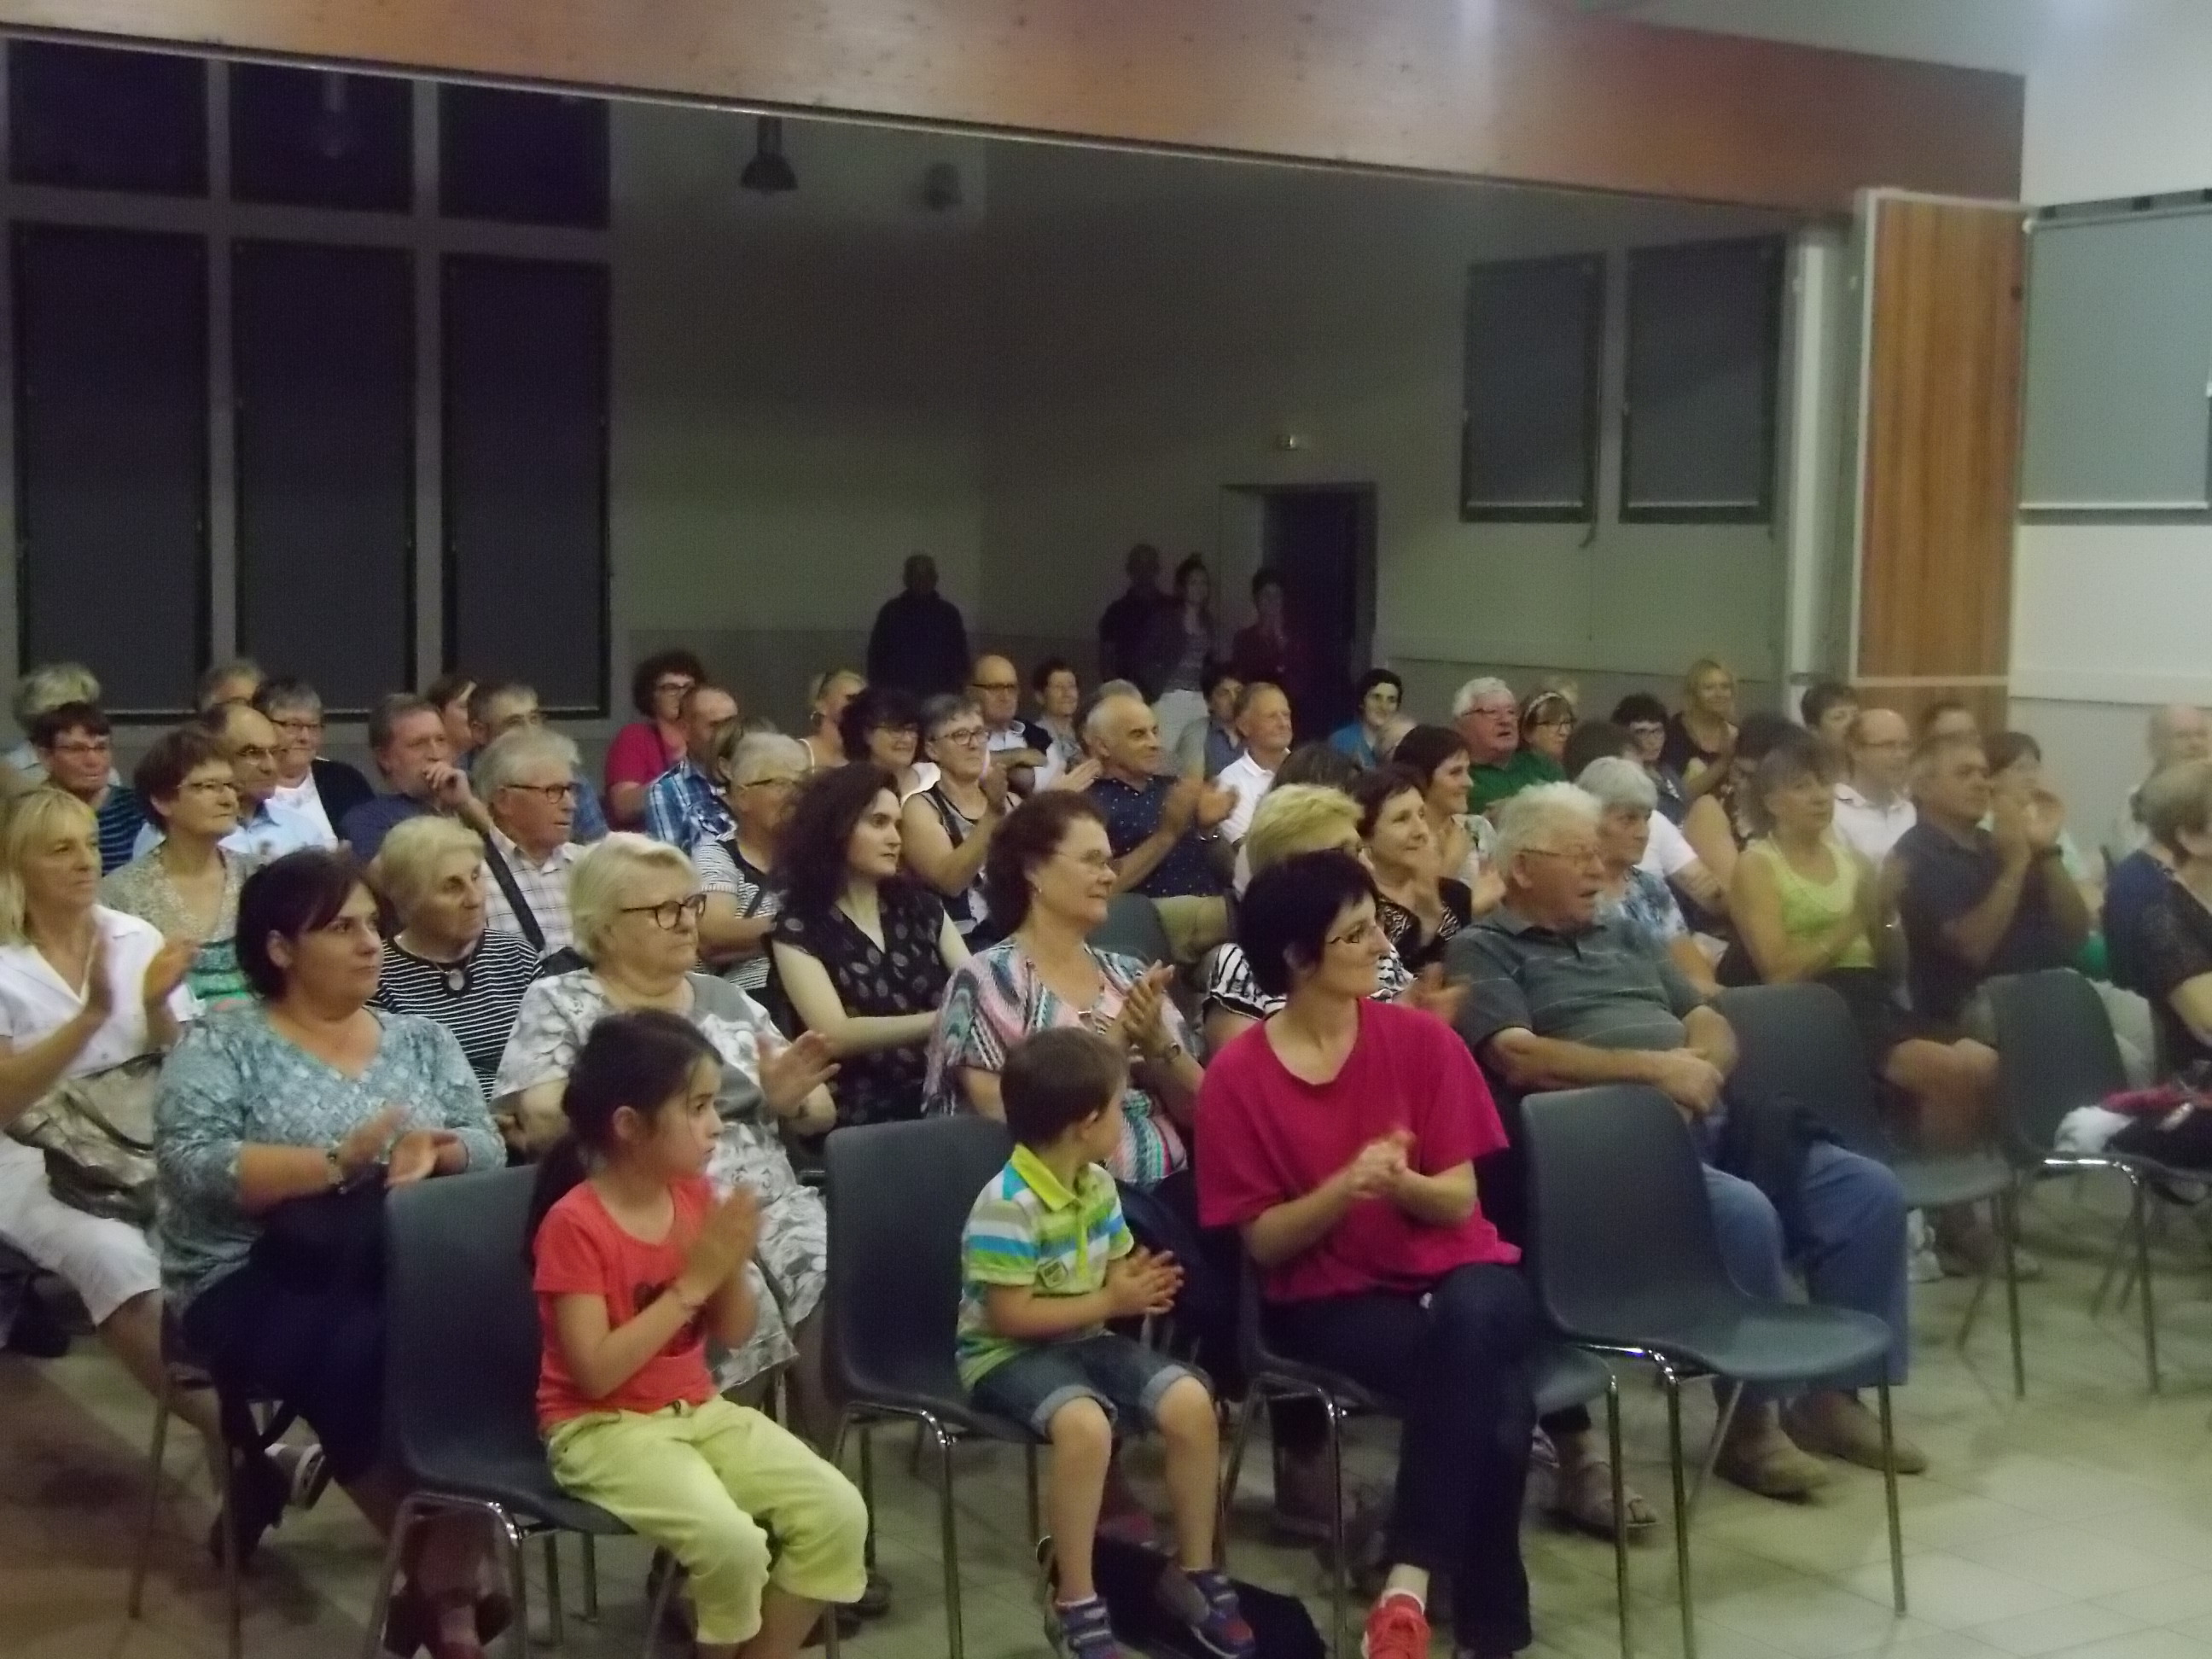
<point x="636" y="1266"/>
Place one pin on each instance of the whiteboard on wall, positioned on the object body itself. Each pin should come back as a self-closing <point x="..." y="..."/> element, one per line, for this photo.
<point x="2119" y="401"/>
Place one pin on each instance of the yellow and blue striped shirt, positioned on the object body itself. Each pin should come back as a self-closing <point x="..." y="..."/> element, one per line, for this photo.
<point x="1028" y="1229"/>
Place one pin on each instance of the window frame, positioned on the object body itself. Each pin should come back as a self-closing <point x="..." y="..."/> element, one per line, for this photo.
<point x="1590" y="268"/>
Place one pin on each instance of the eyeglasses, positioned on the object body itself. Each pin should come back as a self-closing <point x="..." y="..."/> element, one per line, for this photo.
<point x="551" y="793"/>
<point x="969" y="734"/>
<point x="1367" y="930"/>
<point x="1647" y="729"/>
<point x="211" y="786"/>
<point x="300" y="726"/>
<point x="253" y="751"/>
<point x="771" y="783"/>
<point x="1093" y="862"/>
<point x="1564" y="722"/>
<point x="993" y="685"/>
<point x="90" y="747"/>
<point x="671" y="688"/>
<point x="670" y="913"/>
<point x="1588" y="857"/>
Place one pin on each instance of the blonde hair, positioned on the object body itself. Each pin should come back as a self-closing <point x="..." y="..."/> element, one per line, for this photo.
<point x="31" y="818"/>
<point x="603" y="880"/>
<point x="1700" y="669"/>
<point x="406" y="866"/>
<point x="2176" y="801"/>
<point x="1300" y="817"/>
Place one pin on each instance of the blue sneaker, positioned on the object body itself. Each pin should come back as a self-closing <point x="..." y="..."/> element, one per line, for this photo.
<point x="1085" y="1630"/>
<point x="1216" y="1623"/>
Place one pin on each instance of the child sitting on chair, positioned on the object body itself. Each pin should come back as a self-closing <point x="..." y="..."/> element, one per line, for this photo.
<point x="636" y="1266"/>
<point x="1047" y="1261"/>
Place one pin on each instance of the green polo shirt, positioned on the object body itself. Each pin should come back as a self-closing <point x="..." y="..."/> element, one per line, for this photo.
<point x="1486" y="785"/>
<point x="1027" y="1229"/>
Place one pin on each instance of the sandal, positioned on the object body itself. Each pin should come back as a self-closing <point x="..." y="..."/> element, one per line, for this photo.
<point x="1583" y="1498"/>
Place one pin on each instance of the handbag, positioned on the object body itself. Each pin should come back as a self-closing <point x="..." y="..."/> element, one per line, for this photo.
<point x="96" y="1132"/>
<point x="332" y="1241"/>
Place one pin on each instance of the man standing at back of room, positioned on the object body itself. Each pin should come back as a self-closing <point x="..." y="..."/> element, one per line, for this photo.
<point x="920" y="644"/>
<point x="1124" y="623"/>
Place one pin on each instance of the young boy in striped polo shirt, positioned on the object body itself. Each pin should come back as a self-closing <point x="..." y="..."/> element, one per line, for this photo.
<point x="1047" y="1261"/>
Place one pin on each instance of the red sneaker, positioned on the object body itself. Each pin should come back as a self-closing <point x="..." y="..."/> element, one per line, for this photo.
<point x="1397" y="1628"/>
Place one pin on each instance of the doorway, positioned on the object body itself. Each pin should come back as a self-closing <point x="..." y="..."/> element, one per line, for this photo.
<point x="1319" y="539"/>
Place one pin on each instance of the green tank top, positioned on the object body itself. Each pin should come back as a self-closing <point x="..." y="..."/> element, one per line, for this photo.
<point x="1810" y="909"/>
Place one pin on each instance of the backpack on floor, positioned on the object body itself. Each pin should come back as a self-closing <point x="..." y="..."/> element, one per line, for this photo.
<point x="1125" y="1575"/>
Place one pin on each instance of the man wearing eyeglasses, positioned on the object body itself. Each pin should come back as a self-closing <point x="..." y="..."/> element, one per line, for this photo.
<point x="266" y="828"/>
<point x="73" y="744"/>
<point x="1015" y="747"/>
<point x="498" y="707"/>
<point x="527" y="779"/>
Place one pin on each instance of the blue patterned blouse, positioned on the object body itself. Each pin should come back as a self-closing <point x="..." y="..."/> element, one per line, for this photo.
<point x="233" y="1082"/>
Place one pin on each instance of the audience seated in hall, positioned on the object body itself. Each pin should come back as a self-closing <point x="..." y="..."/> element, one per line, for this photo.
<point x="48" y="686"/>
<point x="1718" y="826"/>
<point x="2016" y="767"/>
<point x="1488" y="721"/>
<point x="1701" y="735"/>
<point x="1557" y="999"/>
<point x="2175" y="734"/>
<point x="408" y="737"/>
<point x="1263" y="734"/>
<point x="76" y="752"/>
<point x="267" y="829"/>
<point x="1058" y="691"/>
<point x="1164" y="830"/>
<point x="1668" y="854"/>
<point x="1419" y="907"/>
<point x="1977" y="902"/>
<point x="1379" y="693"/>
<point x="761" y="774"/>
<point x="447" y="962"/>
<point x="526" y="779"/>
<point x="1548" y="721"/>
<point x="862" y="949"/>
<point x="920" y="642"/>
<point x="1828" y="708"/>
<point x="1874" y="808"/>
<point x="1209" y="745"/>
<point x="320" y="790"/>
<point x="1632" y="895"/>
<point x="684" y="805"/>
<point x="882" y="727"/>
<point x="1644" y="717"/>
<point x="1437" y="755"/>
<point x="498" y="707"/>
<point x="646" y="747"/>
<point x="2170" y="954"/>
<point x="187" y="883"/>
<point x="946" y="829"/>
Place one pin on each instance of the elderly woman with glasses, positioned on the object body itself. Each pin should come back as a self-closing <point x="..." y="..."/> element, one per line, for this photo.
<point x="188" y="882"/>
<point x="863" y="952"/>
<point x="636" y="903"/>
<point x="760" y="773"/>
<point x="320" y="790"/>
<point x="947" y="827"/>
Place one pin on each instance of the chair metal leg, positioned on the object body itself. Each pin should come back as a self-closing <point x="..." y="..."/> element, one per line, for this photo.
<point x="1722" y="1424"/>
<point x="868" y="1492"/>
<point x="1889" y="1496"/>
<point x="588" y="1547"/>
<point x="1238" y="1440"/>
<point x="1340" y="1570"/>
<point x="948" y="1541"/>
<point x="1620" y="1512"/>
<point x="1031" y="1485"/>
<point x="510" y="1542"/>
<point x="227" y="1524"/>
<point x="2142" y="1217"/>
<point x="659" y="1611"/>
<point x="137" y="1598"/>
<point x="395" y="1549"/>
<point x="2008" y="1239"/>
<point x="554" y="1614"/>
<point x="1674" y="1387"/>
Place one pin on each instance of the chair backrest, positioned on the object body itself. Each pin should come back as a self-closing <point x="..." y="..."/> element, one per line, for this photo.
<point x="2055" y="1051"/>
<point x="1799" y="1042"/>
<point x="461" y="1338"/>
<point x="1617" y="1208"/>
<point x="1133" y="928"/>
<point x="899" y="1197"/>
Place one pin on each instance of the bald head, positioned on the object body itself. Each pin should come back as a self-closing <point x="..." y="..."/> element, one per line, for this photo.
<point x="2178" y="733"/>
<point x="1125" y="737"/>
<point x="996" y="686"/>
<point x="1880" y="744"/>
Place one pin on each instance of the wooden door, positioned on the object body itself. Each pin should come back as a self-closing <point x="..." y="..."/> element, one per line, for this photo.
<point x="1938" y="450"/>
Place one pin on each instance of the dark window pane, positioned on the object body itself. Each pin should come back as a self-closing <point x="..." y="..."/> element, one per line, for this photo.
<point x="111" y="458"/>
<point x="529" y="158"/>
<point x="1535" y="331"/>
<point x="315" y="138"/>
<point x="323" y="340"/>
<point x="525" y="475"/>
<point x="107" y="120"/>
<point x="1704" y="346"/>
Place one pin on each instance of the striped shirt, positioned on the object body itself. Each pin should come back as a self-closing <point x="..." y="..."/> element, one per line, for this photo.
<point x="1028" y="1230"/>
<point x="721" y="869"/>
<point x="119" y="817"/>
<point x="477" y="999"/>
<point x="544" y="887"/>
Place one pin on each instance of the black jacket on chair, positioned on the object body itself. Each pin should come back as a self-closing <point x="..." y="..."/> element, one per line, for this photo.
<point x="342" y="788"/>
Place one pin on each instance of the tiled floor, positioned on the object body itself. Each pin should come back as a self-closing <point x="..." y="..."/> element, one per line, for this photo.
<point x="2078" y="1522"/>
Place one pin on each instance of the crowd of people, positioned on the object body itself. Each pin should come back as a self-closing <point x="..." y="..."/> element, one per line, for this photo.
<point x="665" y="985"/>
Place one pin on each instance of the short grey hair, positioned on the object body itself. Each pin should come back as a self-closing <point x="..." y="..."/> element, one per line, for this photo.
<point x="745" y="756"/>
<point x="507" y="756"/>
<point x="49" y="686"/>
<point x="1618" y="783"/>
<point x="605" y="877"/>
<point x="1487" y="685"/>
<point x="1112" y="691"/>
<point x="1529" y="816"/>
<point x="406" y="865"/>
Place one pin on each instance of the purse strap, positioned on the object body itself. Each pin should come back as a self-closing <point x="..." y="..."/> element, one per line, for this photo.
<point x="525" y="917"/>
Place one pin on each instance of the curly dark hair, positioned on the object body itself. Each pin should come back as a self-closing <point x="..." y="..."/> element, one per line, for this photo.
<point x="1376" y="789"/>
<point x="642" y="678"/>
<point x="811" y="857"/>
<point x="873" y="709"/>
<point x="1031" y="832"/>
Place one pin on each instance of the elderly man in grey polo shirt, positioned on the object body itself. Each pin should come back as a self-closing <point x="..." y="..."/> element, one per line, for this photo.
<point x="1555" y="1000"/>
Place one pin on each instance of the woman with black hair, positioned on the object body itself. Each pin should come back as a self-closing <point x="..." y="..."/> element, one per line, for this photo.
<point x="1341" y="1135"/>
<point x="1365" y="737"/>
<point x="302" y="1098"/>
<point x="882" y="727"/>
<point x="646" y="747"/>
<point x="863" y="952"/>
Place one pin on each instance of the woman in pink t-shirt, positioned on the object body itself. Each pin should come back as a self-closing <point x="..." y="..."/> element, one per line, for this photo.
<point x="1339" y="1137"/>
<point x="646" y="748"/>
